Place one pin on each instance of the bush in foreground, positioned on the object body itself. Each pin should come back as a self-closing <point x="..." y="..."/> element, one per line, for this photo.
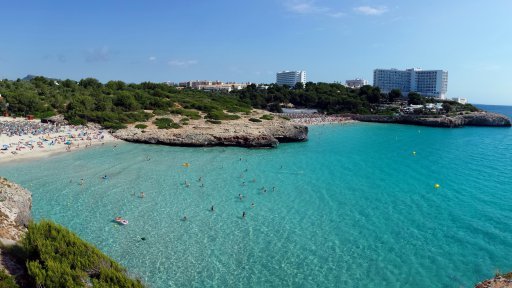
<point x="6" y="280"/>
<point x="56" y="257"/>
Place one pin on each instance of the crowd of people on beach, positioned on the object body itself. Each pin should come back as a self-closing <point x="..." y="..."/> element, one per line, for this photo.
<point x="29" y="135"/>
<point x="25" y="127"/>
<point x="316" y="118"/>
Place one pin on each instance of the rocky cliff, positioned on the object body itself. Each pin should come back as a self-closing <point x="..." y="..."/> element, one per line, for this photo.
<point x="470" y="119"/>
<point x="243" y="133"/>
<point x="15" y="206"/>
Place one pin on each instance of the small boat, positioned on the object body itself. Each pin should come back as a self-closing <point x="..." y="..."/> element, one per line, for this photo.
<point x="121" y="221"/>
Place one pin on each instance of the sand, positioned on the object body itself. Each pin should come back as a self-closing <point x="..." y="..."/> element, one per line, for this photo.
<point x="28" y="147"/>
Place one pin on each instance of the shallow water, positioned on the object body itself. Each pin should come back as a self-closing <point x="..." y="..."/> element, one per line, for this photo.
<point x="352" y="207"/>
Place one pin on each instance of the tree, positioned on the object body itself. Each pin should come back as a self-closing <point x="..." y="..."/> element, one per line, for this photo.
<point x="447" y="107"/>
<point x="299" y="86"/>
<point x="394" y="95"/>
<point x="415" y="99"/>
<point x="90" y="83"/>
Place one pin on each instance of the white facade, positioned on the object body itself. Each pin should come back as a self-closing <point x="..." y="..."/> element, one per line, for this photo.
<point x="460" y="100"/>
<point x="290" y="78"/>
<point x="356" y="83"/>
<point x="431" y="83"/>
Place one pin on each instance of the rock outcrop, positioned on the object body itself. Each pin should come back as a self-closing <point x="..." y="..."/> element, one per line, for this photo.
<point x="199" y="133"/>
<point x="496" y="282"/>
<point x="486" y="119"/>
<point x="469" y="119"/>
<point x="15" y="206"/>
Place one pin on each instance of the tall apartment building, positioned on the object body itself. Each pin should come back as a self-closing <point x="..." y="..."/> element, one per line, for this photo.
<point x="290" y="78"/>
<point x="431" y="83"/>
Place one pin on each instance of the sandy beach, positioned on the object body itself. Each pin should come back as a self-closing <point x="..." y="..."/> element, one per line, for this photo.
<point x="31" y="139"/>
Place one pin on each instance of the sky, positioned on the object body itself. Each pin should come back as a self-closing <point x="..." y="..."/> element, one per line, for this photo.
<point x="251" y="40"/>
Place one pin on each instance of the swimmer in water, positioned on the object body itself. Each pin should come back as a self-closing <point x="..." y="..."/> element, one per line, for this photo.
<point x="141" y="194"/>
<point x="240" y="196"/>
<point x="252" y="205"/>
<point x="184" y="218"/>
<point x="212" y="209"/>
<point x="243" y="214"/>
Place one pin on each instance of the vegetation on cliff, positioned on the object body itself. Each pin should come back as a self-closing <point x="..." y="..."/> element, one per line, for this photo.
<point x="56" y="257"/>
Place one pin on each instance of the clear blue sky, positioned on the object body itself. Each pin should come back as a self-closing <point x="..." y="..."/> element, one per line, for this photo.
<point x="249" y="41"/>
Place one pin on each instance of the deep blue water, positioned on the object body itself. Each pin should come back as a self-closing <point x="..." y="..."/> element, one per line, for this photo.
<point x="505" y="110"/>
<point x="352" y="207"/>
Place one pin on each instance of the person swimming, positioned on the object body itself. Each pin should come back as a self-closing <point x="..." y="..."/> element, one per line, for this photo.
<point x="241" y="196"/>
<point x="141" y="194"/>
<point x="212" y="209"/>
<point x="184" y="218"/>
<point x="243" y="214"/>
<point x="105" y="177"/>
<point x="252" y="205"/>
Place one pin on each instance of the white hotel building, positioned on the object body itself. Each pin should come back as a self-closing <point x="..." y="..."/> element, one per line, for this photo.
<point x="431" y="83"/>
<point x="290" y="78"/>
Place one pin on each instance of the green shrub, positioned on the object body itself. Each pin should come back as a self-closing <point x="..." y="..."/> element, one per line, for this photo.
<point x="77" y="121"/>
<point x="214" y="121"/>
<point x="188" y="113"/>
<point x="267" y="117"/>
<point x="163" y="123"/>
<point x="141" y="126"/>
<point x="56" y="257"/>
<point x="6" y="280"/>
<point x="160" y="112"/>
<point x="42" y="115"/>
<point x="175" y="125"/>
<point x="254" y="120"/>
<point x="221" y="115"/>
<point x="113" y="126"/>
<point x="284" y="117"/>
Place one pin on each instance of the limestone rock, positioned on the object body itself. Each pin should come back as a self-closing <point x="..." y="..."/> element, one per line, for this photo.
<point x="265" y="134"/>
<point x="15" y="206"/>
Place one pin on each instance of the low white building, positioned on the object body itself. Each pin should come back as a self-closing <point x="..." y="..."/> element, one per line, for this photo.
<point x="462" y="101"/>
<point x="356" y="83"/>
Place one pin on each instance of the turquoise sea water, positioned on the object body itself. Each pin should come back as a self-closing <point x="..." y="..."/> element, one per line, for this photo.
<point x="352" y="207"/>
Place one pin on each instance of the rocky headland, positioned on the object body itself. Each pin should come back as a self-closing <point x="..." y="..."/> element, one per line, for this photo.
<point x="447" y="121"/>
<point x="199" y="133"/>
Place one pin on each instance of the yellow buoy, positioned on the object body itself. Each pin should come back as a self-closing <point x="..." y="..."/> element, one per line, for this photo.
<point x="436" y="186"/>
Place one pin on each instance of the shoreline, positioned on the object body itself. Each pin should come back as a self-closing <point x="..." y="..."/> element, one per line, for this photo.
<point x="22" y="139"/>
